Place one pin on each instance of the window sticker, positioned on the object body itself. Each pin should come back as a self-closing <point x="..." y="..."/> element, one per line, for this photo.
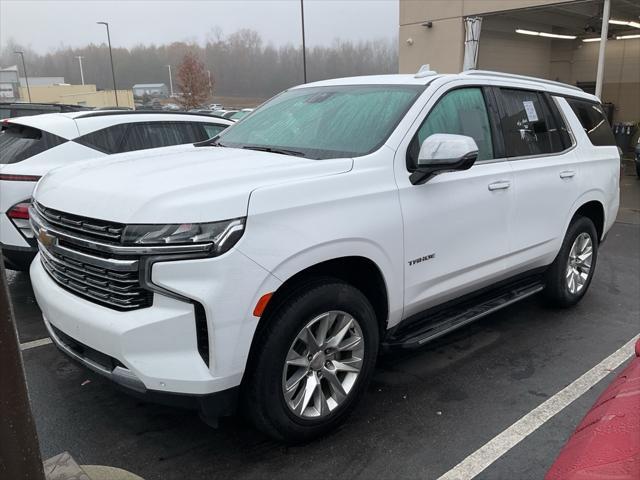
<point x="532" y="115"/>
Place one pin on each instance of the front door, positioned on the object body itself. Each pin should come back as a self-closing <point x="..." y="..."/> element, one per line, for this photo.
<point x="455" y="225"/>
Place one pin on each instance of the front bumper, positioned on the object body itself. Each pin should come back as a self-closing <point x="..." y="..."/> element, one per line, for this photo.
<point x="210" y="406"/>
<point x="18" y="258"/>
<point x="155" y="348"/>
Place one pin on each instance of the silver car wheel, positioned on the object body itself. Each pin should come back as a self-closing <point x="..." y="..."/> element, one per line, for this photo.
<point x="323" y="364"/>
<point x="579" y="263"/>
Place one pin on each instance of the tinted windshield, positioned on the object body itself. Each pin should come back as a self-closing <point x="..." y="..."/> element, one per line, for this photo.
<point x="325" y="122"/>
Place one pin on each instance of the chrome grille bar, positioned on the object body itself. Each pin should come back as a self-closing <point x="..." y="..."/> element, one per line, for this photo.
<point x="121" y="294"/>
<point x="38" y="221"/>
<point x="109" y="231"/>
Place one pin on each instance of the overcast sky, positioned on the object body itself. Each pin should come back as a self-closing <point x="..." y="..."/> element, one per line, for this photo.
<point x="48" y="24"/>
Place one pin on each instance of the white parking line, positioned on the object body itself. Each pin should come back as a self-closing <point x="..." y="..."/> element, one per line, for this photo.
<point x="35" y="343"/>
<point x="479" y="460"/>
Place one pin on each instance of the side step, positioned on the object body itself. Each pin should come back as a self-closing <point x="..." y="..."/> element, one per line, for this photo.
<point x="436" y="322"/>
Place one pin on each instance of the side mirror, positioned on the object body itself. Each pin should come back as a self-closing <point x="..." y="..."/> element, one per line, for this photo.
<point x="444" y="152"/>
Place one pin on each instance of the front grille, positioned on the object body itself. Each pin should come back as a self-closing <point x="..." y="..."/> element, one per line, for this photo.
<point x="88" y="227"/>
<point x="118" y="289"/>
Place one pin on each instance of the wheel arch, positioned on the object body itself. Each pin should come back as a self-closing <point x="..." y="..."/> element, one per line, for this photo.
<point x="358" y="271"/>
<point x="593" y="210"/>
<point x="592" y="206"/>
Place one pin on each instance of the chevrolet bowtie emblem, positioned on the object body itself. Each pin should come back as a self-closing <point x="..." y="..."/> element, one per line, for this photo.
<point x="45" y="238"/>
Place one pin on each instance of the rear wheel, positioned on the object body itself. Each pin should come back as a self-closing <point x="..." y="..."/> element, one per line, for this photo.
<point x="314" y="361"/>
<point x="570" y="275"/>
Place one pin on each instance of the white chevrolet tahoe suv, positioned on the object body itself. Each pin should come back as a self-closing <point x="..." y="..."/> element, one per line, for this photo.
<point x="269" y="266"/>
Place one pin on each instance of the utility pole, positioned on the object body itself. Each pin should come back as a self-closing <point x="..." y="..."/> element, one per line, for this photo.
<point x="81" y="72"/>
<point x="170" y="80"/>
<point x="26" y="76"/>
<point x="304" y="48"/>
<point x="113" y="73"/>
<point x="606" y="9"/>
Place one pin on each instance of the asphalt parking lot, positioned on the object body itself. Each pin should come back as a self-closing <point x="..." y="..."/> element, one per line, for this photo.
<point x="425" y="411"/>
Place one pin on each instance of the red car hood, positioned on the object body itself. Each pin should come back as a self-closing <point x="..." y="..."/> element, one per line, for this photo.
<point x="606" y="444"/>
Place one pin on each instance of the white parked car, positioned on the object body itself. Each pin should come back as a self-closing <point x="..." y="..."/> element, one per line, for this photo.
<point x="31" y="146"/>
<point x="240" y="114"/>
<point x="340" y="218"/>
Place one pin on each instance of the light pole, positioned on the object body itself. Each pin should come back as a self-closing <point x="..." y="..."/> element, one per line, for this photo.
<point x="113" y="73"/>
<point x="81" y="72"/>
<point x="304" y="49"/>
<point x="604" y="33"/>
<point x="170" y="81"/>
<point x="210" y="85"/>
<point x="26" y="77"/>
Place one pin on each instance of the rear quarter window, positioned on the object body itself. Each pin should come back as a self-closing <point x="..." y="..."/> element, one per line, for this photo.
<point x="593" y="121"/>
<point x="19" y="142"/>
<point x="107" y="140"/>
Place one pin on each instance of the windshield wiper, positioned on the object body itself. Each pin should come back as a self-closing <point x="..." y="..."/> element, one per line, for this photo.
<point x="211" y="142"/>
<point x="282" y="151"/>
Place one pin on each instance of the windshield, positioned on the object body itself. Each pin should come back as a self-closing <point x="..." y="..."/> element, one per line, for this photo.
<point x="325" y="122"/>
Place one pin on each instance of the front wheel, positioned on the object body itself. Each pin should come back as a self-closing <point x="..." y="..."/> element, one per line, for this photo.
<point x="570" y="275"/>
<point x="314" y="360"/>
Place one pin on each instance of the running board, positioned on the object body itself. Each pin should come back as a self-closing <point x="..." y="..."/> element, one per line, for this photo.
<point x="431" y="326"/>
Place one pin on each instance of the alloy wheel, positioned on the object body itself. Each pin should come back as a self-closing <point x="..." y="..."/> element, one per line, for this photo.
<point x="579" y="263"/>
<point x="323" y="364"/>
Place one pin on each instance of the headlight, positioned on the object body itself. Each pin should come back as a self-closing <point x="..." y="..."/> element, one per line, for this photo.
<point x="222" y="235"/>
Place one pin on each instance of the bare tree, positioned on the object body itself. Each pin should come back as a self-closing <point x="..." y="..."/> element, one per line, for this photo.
<point x="192" y="82"/>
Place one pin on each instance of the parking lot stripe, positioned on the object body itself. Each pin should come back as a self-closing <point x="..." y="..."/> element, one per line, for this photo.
<point x="479" y="460"/>
<point x="35" y="343"/>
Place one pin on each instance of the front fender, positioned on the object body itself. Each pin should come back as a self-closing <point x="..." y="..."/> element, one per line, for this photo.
<point x="348" y="247"/>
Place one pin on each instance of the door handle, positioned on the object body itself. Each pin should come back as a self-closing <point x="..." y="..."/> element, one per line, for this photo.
<point x="500" y="185"/>
<point x="567" y="174"/>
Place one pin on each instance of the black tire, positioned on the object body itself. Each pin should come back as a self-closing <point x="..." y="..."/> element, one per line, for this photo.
<point x="557" y="290"/>
<point x="263" y="397"/>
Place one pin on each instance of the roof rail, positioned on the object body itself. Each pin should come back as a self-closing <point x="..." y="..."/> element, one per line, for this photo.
<point x="489" y="73"/>
<point x="106" y="113"/>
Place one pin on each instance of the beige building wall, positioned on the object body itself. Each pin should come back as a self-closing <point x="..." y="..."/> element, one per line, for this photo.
<point x="567" y="61"/>
<point x="100" y="99"/>
<point x="442" y="45"/>
<point x="86" y="95"/>
<point x="501" y="49"/>
<point x="53" y="93"/>
<point x="577" y="61"/>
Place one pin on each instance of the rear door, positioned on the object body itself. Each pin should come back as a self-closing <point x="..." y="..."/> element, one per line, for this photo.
<point x="546" y="172"/>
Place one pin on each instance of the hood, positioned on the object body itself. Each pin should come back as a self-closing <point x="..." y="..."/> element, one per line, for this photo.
<point x="202" y="184"/>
